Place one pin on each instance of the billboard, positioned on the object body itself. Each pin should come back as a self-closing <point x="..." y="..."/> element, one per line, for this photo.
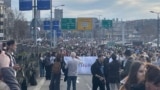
<point x="25" y="5"/>
<point x="84" y="23"/>
<point x="43" y="4"/>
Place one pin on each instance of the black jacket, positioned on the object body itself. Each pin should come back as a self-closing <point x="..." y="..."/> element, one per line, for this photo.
<point x="96" y="69"/>
<point x="9" y="78"/>
<point x="106" y="67"/>
<point x="126" y="68"/>
<point x="138" y="87"/>
<point x="114" y="74"/>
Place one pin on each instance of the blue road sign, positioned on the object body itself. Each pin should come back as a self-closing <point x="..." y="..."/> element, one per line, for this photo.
<point x="43" y="4"/>
<point x="55" y="25"/>
<point x="46" y="25"/>
<point x="59" y="32"/>
<point x="25" y="5"/>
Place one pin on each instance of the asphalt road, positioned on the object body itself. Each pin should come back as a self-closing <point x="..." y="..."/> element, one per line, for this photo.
<point x="84" y="82"/>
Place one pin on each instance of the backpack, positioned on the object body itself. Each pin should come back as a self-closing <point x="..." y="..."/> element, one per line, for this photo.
<point x="56" y="67"/>
<point x="46" y="61"/>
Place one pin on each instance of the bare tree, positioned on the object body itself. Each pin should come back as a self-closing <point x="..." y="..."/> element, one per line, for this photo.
<point x="17" y="25"/>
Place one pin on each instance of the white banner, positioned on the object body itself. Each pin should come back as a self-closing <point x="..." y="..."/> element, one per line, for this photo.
<point x="85" y="67"/>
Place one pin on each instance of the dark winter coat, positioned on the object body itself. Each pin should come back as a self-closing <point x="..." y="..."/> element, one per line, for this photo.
<point x="9" y="78"/>
<point x="106" y="67"/>
<point x="114" y="74"/>
<point x="96" y="69"/>
<point x="138" y="87"/>
<point x="126" y="68"/>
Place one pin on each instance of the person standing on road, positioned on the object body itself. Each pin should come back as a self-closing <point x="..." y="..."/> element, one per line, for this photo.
<point x="56" y="72"/>
<point x="114" y="75"/>
<point x="72" y="67"/>
<point x="11" y="48"/>
<point x="97" y="70"/>
<point x="106" y="70"/>
<point x="41" y="65"/>
<point x="126" y="64"/>
<point x="136" y="77"/>
<point x="7" y="73"/>
<point x="48" y="66"/>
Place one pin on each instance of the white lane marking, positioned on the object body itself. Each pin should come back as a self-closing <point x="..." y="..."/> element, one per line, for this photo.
<point x="89" y="88"/>
<point x="40" y="84"/>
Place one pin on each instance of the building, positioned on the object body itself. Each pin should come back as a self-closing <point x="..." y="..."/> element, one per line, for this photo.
<point x="2" y="11"/>
<point x="5" y="8"/>
<point x="7" y="3"/>
<point x="58" y="14"/>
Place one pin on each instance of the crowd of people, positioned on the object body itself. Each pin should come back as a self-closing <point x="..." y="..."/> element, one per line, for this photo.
<point x="126" y="72"/>
<point x="53" y="63"/>
<point x="116" y="68"/>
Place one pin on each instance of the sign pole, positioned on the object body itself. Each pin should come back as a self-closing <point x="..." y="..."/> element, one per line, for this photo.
<point x="51" y="25"/>
<point x="35" y="21"/>
<point x="54" y="31"/>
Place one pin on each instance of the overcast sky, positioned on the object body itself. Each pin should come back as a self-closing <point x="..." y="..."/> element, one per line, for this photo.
<point x="109" y="9"/>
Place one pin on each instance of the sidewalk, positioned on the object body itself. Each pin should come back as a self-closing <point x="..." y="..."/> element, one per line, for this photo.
<point x="40" y="82"/>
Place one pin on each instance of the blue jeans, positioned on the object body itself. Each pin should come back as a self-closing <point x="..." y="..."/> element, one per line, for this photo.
<point x="42" y="71"/>
<point x="72" y="79"/>
<point x="55" y="82"/>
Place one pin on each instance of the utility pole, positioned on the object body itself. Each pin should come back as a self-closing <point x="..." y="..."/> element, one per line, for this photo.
<point x="35" y="21"/>
<point x="112" y="34"/>
<point x="157" y="27"/>
<point x="123" y="32"/>
<point x="51" y="25"/>
<point x="158" y="30"/>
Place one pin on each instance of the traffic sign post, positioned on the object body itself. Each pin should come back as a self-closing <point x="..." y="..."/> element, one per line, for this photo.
<point x="25" y="5"/>
<point x="68" y="23"/>
<point x="55" y="26"/>
<point x="46" y="25"/>
<point x="107" y="24"/>
<point x="43" y="4"/>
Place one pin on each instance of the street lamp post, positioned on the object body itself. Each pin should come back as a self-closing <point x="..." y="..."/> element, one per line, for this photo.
<point x="157" y="26"/>
<point x="35" y="22"/>
<point x="100" y="26"/>
<point x="51" y="25"/>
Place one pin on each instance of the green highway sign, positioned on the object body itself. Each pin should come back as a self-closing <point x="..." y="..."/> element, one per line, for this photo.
<point x="68" y="23"/>
<point x="107" y="24"/>
<point x="110" y="44"/>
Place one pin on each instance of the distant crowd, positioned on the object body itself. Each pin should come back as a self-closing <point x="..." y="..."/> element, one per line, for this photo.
<point x="116" y="68"/>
